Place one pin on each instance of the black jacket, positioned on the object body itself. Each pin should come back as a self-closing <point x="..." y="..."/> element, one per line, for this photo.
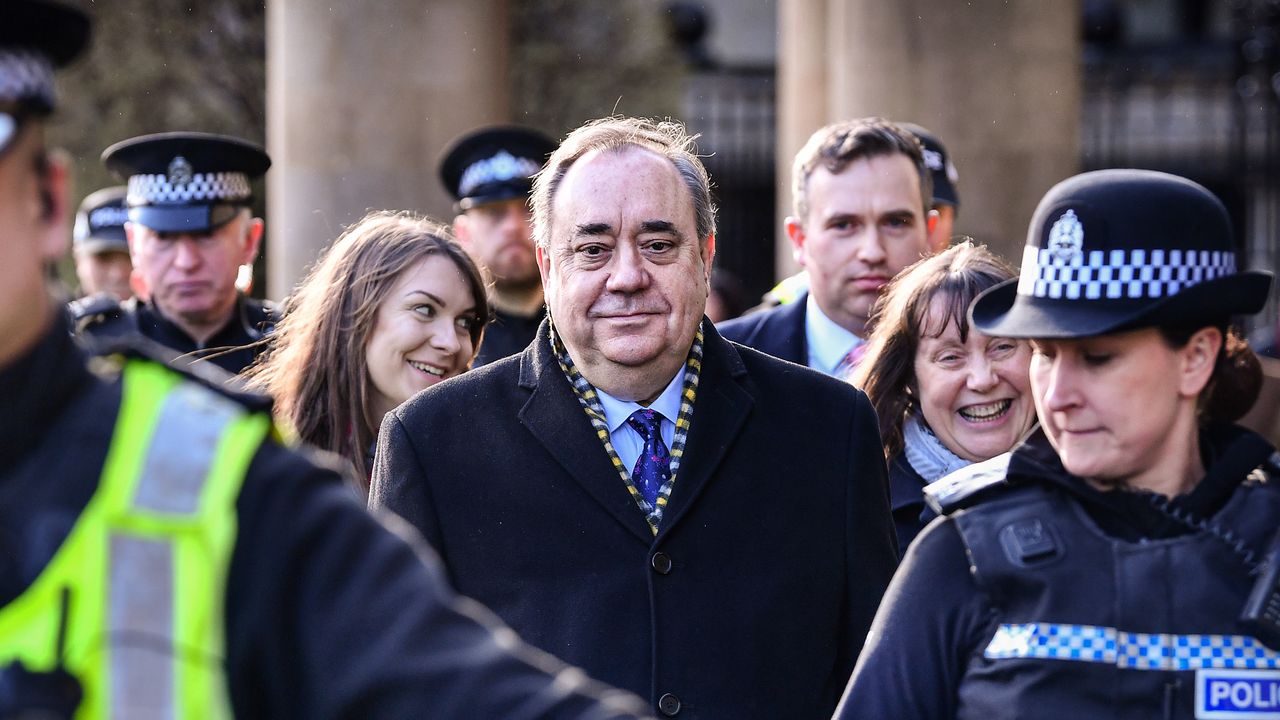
<point x="507" y="335"/>
<point x="1093" y="559"/>
<point x="906" y="498"/>
<point x="754" y="598"/>
<point x="328" y="615"/>
<point x="778" y="331"/>
<point x="233" y="348"/>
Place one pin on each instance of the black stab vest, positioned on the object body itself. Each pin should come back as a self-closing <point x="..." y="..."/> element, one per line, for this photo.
<point x="1054" y="577"/>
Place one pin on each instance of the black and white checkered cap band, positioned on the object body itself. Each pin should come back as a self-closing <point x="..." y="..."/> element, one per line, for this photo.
<point x="1118" y="274"/>
<point x="500" y="168"/>
<point x="26" y="75"/>
<point x="203" y="187"/>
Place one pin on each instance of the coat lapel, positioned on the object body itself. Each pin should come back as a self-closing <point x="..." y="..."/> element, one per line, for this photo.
<point x="555" y="418"/>
<point x="719" y="412"/>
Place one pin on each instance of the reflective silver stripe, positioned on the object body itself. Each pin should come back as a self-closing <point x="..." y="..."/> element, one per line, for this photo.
<point x="140" y="628"/>
<point x="183" y="448"/>
<point x="1133" y="651"/>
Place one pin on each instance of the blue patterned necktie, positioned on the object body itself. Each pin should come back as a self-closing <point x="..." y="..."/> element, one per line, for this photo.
<point x="653" y="467"/>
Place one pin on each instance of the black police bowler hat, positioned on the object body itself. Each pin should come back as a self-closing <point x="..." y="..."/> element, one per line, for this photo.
<point x="494" y="163"/>
<point x="938" y="160"/>
<point x="186" y="181"/>
<point x="100" y="222"/>
<point x="1116" y="250"/>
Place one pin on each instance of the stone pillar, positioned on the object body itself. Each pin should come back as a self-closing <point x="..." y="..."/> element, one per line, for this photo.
<point x="361" y="100"/>
<point x="998" y="82"/>
<point x="803" y="82"/>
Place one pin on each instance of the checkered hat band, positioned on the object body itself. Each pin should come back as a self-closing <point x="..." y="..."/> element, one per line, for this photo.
<point x="26" y="75"/>
<point x="156" y="189"/>
<point x="1119" y="274"/>
<point x="1130" y="651"/>
<point x="500" y="168"/>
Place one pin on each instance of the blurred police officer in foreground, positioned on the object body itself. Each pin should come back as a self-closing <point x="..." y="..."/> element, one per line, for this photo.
<point x="99" y="246"/>
<point x="190" y="230"/>
<point x="489" y="172"/>
<point x="161" y="555"/>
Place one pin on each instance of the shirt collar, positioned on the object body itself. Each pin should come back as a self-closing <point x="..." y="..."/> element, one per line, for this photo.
<point x="617" y="411"/>
<point x="828" y="343"/>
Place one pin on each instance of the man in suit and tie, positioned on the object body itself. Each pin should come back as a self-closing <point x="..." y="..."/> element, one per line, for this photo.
<point x="861" y="191"/>
<point x="683" y="517"/>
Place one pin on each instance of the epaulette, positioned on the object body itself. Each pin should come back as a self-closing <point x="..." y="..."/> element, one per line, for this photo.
<point x="93" y="306"/>
<point x="110" y="354"/>
<point x="963" y="487"/>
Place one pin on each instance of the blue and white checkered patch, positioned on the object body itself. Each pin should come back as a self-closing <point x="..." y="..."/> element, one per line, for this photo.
<point x="1118" y="274"/>
<point x="1131" y="651"/>
<point x="25" y="75"/>
<point x="149" y="189"/>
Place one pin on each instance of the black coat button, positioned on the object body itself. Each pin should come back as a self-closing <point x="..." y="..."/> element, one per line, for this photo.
<point x="669" y="705"/>
<point x="662" y="563"/>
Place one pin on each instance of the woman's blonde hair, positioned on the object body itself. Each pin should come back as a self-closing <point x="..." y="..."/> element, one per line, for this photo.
<point x="316" y="369"/>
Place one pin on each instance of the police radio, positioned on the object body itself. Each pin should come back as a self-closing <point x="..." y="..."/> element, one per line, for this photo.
<point x="1261" y="615"/>
<point x="30" y="695"/>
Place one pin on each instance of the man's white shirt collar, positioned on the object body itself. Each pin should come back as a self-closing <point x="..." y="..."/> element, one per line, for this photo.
<point x="827" y="342"/>
<point x="617" y="411"/>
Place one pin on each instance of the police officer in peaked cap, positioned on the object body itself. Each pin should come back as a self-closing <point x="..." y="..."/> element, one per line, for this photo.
<point x="190" y="231"/>
<point x="946" y="201"/>
<point x="1125" y="560"/>
<point x="101" y="251"/>
<point x="489" y="173"/>
<point x="162" y="554"/>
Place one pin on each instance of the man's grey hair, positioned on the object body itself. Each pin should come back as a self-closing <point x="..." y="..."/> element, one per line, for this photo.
<point x="836" y="145"/>
<point x="667" y="138"/>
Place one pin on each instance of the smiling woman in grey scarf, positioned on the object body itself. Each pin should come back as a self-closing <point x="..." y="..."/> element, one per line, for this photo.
<point x="947" y="395"/>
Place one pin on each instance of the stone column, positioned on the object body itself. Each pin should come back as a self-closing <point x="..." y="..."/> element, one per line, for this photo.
<point x="998" y="82"/>
<point x="803" y="102"/>
<point x="361" y="100"/>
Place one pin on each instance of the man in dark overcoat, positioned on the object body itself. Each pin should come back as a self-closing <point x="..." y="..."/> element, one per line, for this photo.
<point x="681" y="516"/>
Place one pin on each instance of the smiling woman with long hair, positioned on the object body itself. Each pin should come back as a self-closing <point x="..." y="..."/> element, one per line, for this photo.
<point x="394" y="306"/>
<point x="947" y="395"/>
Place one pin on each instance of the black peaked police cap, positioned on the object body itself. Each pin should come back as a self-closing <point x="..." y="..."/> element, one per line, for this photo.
<point x="185" y="181"/>
<point x="35" y="38"/>
<point x="493" y="164"/>
<point x="52" y="29"/>
<point x="1116" y="250"/>
<point x="100" y="222"/>
<point x="938" y="161"/>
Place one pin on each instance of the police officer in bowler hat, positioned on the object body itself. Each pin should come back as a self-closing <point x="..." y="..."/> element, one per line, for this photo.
<point x="162" y="555"/>
<point x="1123" y="561"/>
<point x="490" y="172"/>
<point x="190" y="230"/>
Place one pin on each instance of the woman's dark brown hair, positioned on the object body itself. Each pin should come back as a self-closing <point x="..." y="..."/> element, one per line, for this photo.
<point x="316" y="369"/>
<point x="887" y="371"/>
<point x="1237" y="374"/>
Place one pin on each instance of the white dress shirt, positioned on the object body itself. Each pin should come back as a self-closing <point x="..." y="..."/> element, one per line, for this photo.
<point x="827" y="342"/>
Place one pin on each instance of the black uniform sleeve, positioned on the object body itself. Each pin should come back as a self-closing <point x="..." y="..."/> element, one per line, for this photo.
<point x="397" y="484"/>
<point x="931" y="621"/>
<point x="330" y="615"/>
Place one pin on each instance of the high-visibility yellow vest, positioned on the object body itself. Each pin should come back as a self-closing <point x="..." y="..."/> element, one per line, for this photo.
<point x="790" y="288"/>
<point x="143" y="571"/>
